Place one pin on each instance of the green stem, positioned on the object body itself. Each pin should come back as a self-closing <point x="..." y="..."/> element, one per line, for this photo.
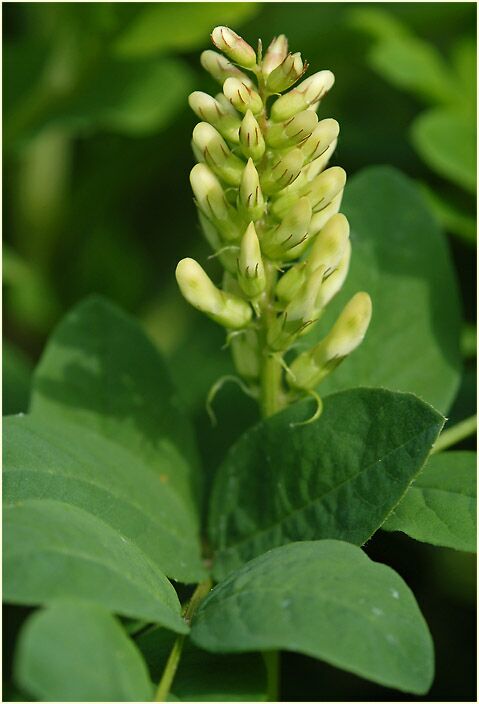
<point x="173" y="661"/>
<point x="271" y="660"/>
<point x="272" y="397"/>
<point x="455" y="434"/>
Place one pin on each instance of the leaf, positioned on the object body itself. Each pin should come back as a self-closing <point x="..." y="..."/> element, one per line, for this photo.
<point x="400" y="257"/>
<point x="202" y="676"/>
<point x="178" y="26"/>
<point x="100" y="370"/>
<point x="16" y="374"/>
<point x="451" y="216"/>
<point x="52" y="550"/>
<point x="446" y="140"/>
<point x="338" y="477"/>
<point x="326" y="599"/>
<point x="405" y="60"/>
<point x="61" y="462"/>
<point x="79" y="652"/>
<point x="440" y="507"/>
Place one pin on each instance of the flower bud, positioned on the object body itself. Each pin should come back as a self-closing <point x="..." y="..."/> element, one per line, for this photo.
<point x="210" y="110"/>
<point x="226" y="255"/>
<point x="234" y="46"/>
<point x="322" y="189"/>
<point x="311" y="367"/>
<point x="329" y="245"/>
<point x="319" y="219"/>
<point x="250" y="197"/>
<point x="220" y="68"/>
<point x="198" y="289"/>
<point x="299" y="313"/>
<point x="286" y="74"/>
<point x="290" y="283"/>
<point x="282" y="171"/>
<point x="293" y="131"/>
<point x="303" y="96"/>
<point x="250" y="137"/>
<point x="251" y="274"/>
<point x="275" y="54"/>
<point x="246" y="354"/>
<point x="291" y="232"/>
<point x="211" y="200"/>
<point x="241" y="96"/>
<point x="323" y="135"/>
<point x="217" y="154"/>
<point x="333" y="283"/>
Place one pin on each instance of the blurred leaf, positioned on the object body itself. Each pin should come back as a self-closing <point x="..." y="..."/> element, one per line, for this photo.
<point x="469" y="341"/>
<point x="446" y="140"/>
<point x="79" y="652"/>
<point x="202" y="676"/>
<point x="400" y="257"/>
<point x="99" y="370"/>
<point x="179" y="26"/>
<point x="440" y="506"/>
<point x="464" y="58"/>
<point x="450" y="216"/>
<point x="16" y="375"/>
<point x="326" y="599"/>
<point x="81" y="469"/>
<point x="54" y="550"/>
<point x="407" y="61"/>
<point x="338" y="477"/>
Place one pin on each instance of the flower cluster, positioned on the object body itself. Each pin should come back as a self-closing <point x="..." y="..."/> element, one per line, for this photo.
<point x="268" y="207"/>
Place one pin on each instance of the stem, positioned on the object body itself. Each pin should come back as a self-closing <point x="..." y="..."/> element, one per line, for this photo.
<point x="271" y="660"/>
<point x="272" y="398"/>
<point x="455" y="434"/>
<point x="174" y="657"/>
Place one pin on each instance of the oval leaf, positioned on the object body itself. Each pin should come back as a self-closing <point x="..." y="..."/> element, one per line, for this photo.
<point x="100" y="370"/>
<point x="61" y="462"/>
<point x="440" y="507"/>
<point x="54" y="550"/>
<point x="79" y="652"/>
<point x="326" y="599"/>
<point x="336" y="478"/>
<point x="400" y="257"/>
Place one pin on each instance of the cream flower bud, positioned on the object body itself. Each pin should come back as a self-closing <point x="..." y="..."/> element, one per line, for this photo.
<point x="329" y="245"/>
<point x="319" y="219"/>
<point x="282" y="171"/>
<point x="247" y="354"/>
<point x="251" y="138"/>
<point x="251" y="274"/>
<point x="307" y="93"/>
<point x="286" y="74"/>
<point x="217" y="154"/>
<point x="322" y="189"/>
<point x="311" y="367"/>
<point x="220" y="68"/>
<point x="211" y="200"/>
<point x="333" y="283"/>
<point x="323" y="135"/>
<point x="234" y="46"/>
<point x="241" y="96"/>
<point x="250" y="203"/>
<point x="291" y="232"/>
<point x="209" y="109"/>
<point x="198" y="289"/>
<point x="293" y="131"/>
<point x="226" y="255"/>
<point x="275" y="54"/>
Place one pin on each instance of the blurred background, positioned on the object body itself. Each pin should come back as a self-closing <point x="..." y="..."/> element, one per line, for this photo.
<point x="96" y="199"/>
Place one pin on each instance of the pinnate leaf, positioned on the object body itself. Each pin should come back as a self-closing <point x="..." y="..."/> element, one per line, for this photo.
<point x="338" y="477"/>
<point x="440" y="506"/>
<point x="326" y="599"/>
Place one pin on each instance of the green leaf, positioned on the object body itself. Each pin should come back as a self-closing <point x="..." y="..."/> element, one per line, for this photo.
<point x="440" y="507"/>
<point x="446" y="140"/>
<point x="16" y="374"/>
<point x="62" y="462"/>
<point x="52" y="550"/>
<point x="400" y="257"/>
<point x="405" y="60"/>
<point x="79" y="652"/>
<point x="100" y="370"/>
<point x="202" y="676"/>
<point x="326" y="599"/>
<point x="179" y="26"/>
<point x="338" y="477"/>
<point x="452" y="217"/>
